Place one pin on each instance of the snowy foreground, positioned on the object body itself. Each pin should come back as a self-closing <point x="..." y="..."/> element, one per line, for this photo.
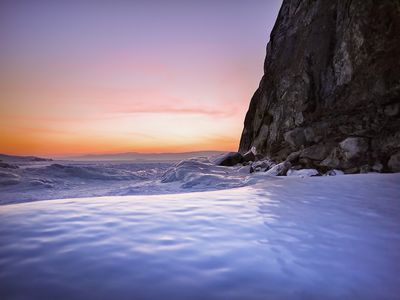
<point x="275" y="238"/>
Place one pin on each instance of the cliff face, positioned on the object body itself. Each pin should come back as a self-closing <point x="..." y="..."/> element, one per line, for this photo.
<point x="331" y="88"/>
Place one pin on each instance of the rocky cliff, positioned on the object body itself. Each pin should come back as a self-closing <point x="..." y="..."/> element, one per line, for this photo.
<point x="330" y="95"/>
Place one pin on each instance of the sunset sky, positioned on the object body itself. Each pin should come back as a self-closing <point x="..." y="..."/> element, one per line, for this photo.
<point x="82" y="77"/>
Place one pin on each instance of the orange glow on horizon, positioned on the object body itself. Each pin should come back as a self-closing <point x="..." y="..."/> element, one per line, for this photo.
<point x="109" y="78"/>
<point x="112" y="134"/>
<point x="63" y="115"/>
<point x="32" y="145"/>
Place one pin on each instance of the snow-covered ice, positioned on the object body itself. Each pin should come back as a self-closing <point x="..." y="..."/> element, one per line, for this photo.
<point x="70" y="179"/>
<point x="275" y="238"/>
<point x="303" y="172"/>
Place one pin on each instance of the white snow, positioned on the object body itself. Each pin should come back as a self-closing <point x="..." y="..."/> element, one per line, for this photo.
<point x="303" y="172"/>
<point x="334" y="173"/>
<point x="277" y="238"/>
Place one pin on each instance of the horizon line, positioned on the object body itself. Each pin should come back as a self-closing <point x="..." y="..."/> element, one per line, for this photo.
<point x="110" y="153"/>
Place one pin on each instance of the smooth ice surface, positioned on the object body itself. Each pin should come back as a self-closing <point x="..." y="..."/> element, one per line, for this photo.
<point x="278" y="238"/>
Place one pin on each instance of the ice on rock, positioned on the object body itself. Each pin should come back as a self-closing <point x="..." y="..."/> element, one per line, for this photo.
<point x="202" y="173"/>
<point x="279" y="170"/>
<point x="185" y="168"/>
<point x="261" y="165"/>
<point x="303" y="172"/>
<point x="228" y="159"/>
<point x="334" y="173"/>
<point x="250" y="155"/>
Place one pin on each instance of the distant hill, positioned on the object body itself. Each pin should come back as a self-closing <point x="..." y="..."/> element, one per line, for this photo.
<point x="6" y="157"/>
<point x="144" y="156"/>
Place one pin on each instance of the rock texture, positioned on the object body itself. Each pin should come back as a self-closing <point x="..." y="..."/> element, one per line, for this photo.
<point x="331" y="88"/>
<point x="229" y="159"/>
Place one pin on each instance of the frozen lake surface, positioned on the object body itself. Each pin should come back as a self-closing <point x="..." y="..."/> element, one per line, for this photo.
<point x="44" y="180"/>
<point x="275" y="238"/>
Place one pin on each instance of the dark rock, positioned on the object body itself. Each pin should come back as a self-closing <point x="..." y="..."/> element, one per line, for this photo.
<point x="297" y="167"/>
<point x="365" y="169"/>
<point x="295" y="137"/>
<point x="394" y="162"/>
<point x="317" y="152"/>
<point x="294" y="156"/>
<point x="392" y="110"/>
<point x="351" y="153"/>
<point x="310" y="136"/>
<point x="354" y="147"/>
<point x="333" y="160"/>
<point x="249" y="156"/>
<point x="334" y="173"/>
<point x="229" y="159"/>
<point x="377" y="167"/>
<point x="282" y="154"/>
<point x="261" y="166"/>
<point x="259" y="157"/>
<point x="354" y="170"/>
<point x="331" y="73"/>
<point x="306" y="162"/>
<point x="280" y="169"/>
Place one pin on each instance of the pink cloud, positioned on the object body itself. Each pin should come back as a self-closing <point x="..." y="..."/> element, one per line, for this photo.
<point x="180" y="110"/>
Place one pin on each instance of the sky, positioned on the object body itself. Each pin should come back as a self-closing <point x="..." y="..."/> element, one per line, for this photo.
<point x="80" y="77"/>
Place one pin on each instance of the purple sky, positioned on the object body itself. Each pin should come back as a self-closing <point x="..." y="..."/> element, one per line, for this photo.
<point x="106" y="76"/>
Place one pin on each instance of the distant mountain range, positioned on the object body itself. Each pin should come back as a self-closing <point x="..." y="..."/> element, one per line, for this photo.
<point x="144" y="156"/>
<point x="10" y="158"/>
<point x="117" y="156"/>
